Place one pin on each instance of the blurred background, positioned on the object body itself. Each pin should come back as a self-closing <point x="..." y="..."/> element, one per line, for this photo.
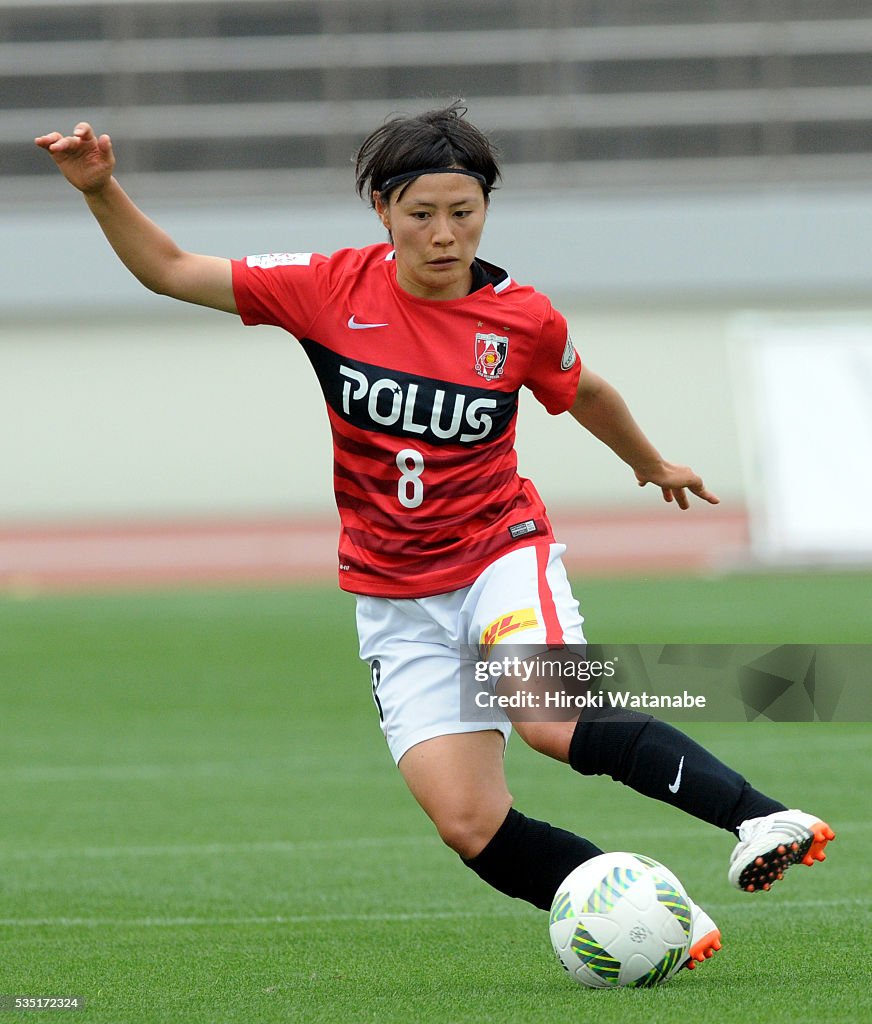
<point x="690" y="180"/>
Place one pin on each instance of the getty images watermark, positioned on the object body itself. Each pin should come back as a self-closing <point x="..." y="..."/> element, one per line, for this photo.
<point x="544" y="683"/>
<point x="705" y="682"/>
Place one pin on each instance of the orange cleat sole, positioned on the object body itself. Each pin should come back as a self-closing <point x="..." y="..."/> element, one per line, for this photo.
<point x="822" y="834"/>
<point x="704" y="949"/>
<point x="769" y="867"/>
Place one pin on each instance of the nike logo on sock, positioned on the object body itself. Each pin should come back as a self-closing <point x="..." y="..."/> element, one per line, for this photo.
<point x="674" y="786"/>
<point x="355" y="326"/>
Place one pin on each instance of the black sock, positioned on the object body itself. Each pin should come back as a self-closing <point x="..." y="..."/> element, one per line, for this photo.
<point x="528" y="859"/>
<point x="659" y="761"/>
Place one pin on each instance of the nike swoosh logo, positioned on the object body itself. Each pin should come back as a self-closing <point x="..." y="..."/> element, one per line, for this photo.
<point x="355" y="326"/>
<point x="674" y="786"/>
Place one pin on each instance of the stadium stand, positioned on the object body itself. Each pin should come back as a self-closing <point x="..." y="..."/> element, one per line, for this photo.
<point x="593" y="94"/>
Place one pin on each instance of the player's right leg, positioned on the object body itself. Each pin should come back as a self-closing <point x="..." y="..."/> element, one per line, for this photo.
<point x="452" y="765"/>
<point x="705" y="937"/>
<point x="458" y="780"/>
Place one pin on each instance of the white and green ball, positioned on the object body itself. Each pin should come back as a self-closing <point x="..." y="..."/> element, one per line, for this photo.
<point x="621" y="919"/>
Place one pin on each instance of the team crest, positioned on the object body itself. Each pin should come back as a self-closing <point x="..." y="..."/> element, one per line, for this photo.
<point x="490" y="355"/>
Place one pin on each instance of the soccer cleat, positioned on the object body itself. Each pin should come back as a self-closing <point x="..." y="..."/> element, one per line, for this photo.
<point x="705" y="939"/>
<point x="768" y="846"/>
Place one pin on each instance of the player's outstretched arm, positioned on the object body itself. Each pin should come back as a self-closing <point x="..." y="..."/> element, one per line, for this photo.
<point x="600" y="409"/>
<point x="87" y="162"/>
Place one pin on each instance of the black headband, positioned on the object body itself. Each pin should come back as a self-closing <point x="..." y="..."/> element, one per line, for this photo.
<point x="398" y="179"/>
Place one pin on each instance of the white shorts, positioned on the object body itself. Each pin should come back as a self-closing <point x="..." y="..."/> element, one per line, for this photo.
<point x="412" y="645"/>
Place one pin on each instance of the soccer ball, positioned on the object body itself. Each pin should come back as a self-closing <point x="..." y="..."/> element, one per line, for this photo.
<point x="621" y="919"/>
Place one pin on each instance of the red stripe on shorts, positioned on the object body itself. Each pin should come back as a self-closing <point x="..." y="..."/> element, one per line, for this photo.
<point x="553" y="629"/>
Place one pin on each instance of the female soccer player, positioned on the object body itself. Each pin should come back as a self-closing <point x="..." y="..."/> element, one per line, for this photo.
<point x="421" y="348"/>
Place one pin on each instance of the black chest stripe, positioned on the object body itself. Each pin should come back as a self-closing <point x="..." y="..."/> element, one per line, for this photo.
<point x="392" y="402"/>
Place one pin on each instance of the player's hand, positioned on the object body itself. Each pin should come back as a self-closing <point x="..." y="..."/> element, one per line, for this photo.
<point x="674" y="481"/>
<point x="85" y="160"/>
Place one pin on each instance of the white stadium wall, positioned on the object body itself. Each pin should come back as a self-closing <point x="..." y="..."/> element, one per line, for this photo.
<point x="115" y="403"/>
<point x="195" y="414"/>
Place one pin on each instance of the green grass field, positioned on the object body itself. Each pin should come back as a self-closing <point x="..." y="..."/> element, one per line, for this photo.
<point x="201" y="823"/>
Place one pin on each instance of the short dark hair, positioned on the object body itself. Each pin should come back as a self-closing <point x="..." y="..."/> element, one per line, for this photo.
<point x="437" y="138"/>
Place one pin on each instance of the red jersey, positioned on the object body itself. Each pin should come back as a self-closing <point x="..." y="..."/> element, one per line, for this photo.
<point x="422" y="397"/>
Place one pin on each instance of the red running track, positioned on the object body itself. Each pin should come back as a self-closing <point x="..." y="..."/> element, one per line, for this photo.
<point x="135" y="555"/>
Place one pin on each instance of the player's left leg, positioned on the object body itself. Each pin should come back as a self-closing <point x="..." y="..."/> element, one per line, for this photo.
<point x="659" y="761"/>
<point x="638" y="750"/>
<point x="653" y="758"/>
